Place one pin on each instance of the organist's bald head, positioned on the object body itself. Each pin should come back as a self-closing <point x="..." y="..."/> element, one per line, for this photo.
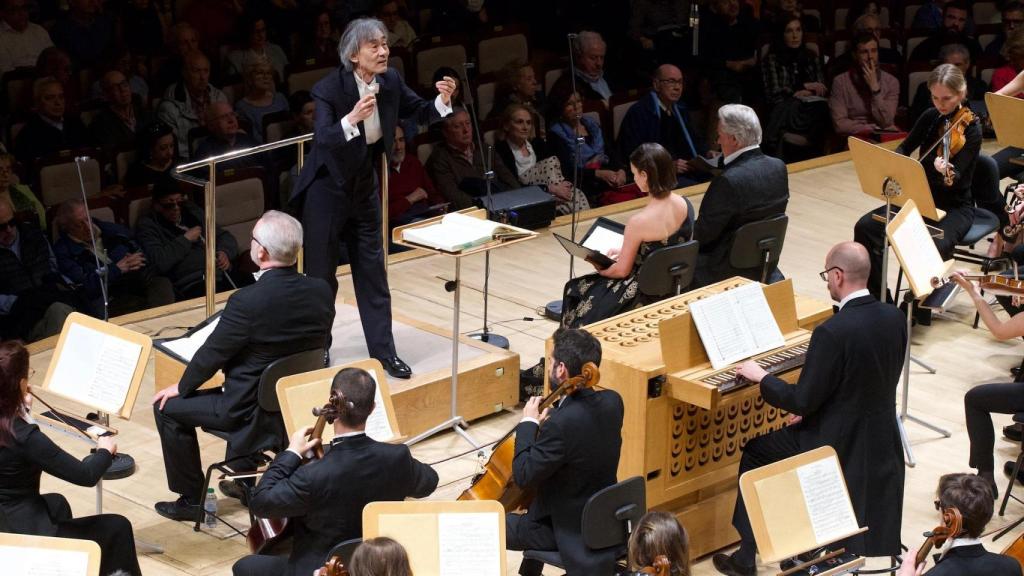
<point x="852" y="258"/>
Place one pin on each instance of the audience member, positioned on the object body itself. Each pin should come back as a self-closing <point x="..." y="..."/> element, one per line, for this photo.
<point x="34" y="299"/>
<point x="321" y="46"/>
<point x="662" y="117"/>
<point x="1012" y="17"/>
<point x="751" y="187"/>
<point x="85" y="32"/>
<point x="49" y="130"/>
<point x="124" y="62"/>
<point x="143" y="27"/>
<point x="172" y="238"/>
<point x="400" y="32"/>
<point x="859" y="8"/>
<point x="255" y="46"/>
<point x="380" y="556"/>
<point x="54" y="62"/>
<point x="156" y="156"/>
<point x="21" y="41"/>
<point x="886" y="56"/>
<point x="19" y="195"/>
<point x="728" y="44"/>
<point x="225" y="136"/>
<point x="117" y="262"/>
<point x="954" y="22"/>
<point x="959" y="56"/>
<point x="184" y="104"/>
<point x="659" y="535"/>
<point x="598" y="170"/>
<point x="214" y="20"/>
<point x="457" y="165"/>
<point x="775" y="14"/>
<point x="653" y="22"/>
<point x="411" y="194"/>
<point x="928" y="16"/>
<point x="865" y="97"/>
<point x="794" y="87"/>
<point x="261" y="97"/>
<point x="517" y="84"/>
<point x="1013" y="54"/>
<point x="589" y="50"/>
<point x="184" y="41"/>
<point x="532" y="160"/>
<point x="117" y="126"/>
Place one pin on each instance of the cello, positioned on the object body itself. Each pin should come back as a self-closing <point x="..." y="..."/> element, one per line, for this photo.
<point x="495" y="481"/>
<point x="951" y="527"/>
<point x="266" y="532"/>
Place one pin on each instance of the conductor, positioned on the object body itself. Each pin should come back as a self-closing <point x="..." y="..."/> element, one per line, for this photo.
<point x="357" y="109"/>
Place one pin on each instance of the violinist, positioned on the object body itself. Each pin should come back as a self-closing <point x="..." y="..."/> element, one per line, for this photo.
<point x="325" y="498"/>
<point x="567" y="453"/>
<point x="25" y="453"/>
<point x="949" y="164"/>
<point x="380" y="556"/>
<point x="660" y="535"/>
<point x="963" y="554"/>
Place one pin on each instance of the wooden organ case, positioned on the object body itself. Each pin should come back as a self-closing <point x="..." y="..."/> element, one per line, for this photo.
<point x="679" y="431"/>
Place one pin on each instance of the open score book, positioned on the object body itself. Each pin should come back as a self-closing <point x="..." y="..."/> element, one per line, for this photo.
<point x="457" y="232"/>
<point x="736" y="325"/>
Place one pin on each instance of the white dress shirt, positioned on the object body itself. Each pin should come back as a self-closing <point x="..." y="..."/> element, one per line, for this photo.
<point x="852" y="295"/>
<point x="737" y="153"/>
<point x="372" y="122"/>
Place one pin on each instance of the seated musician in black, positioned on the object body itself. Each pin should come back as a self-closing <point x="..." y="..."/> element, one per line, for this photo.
<point x="567" y="454"/>
<point x="324" y="499"/>
<point x="283" y="313"/>
<point x="844" y="398"/>
<point x="964" y="555"/>
<point x="25" y="453"/>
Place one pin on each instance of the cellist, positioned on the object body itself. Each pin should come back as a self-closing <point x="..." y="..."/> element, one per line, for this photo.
<point x="325" y="498"/>
<point x="566" y="453"/>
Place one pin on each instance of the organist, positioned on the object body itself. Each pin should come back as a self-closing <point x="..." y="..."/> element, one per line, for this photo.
<point x="845" y="398"/>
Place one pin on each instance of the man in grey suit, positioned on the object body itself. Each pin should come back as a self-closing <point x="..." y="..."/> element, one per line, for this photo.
<point x="751" y="187"/>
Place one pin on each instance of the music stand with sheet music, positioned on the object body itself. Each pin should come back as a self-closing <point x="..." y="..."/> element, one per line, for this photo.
<point x="1007" y="114"/>
<point x="922" y="265"/>
<point x="25" y="554"/>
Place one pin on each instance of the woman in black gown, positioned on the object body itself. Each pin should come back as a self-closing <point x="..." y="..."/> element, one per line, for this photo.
<point x="25" y="453"/>
<point x="613" y="290"/>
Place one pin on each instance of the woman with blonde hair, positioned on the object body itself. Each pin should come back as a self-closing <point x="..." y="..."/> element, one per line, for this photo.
<point x="380" y="556"/>
<point x="660" y="534"/>
<point x="261" y="96"/>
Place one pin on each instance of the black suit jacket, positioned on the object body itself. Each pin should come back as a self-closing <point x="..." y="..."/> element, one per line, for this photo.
<point x="325" y="499"/>
<point x="281" y="314"/>
<point x="847" y="397"/>
<point x="975" y="561"/>
<point x="575" y="454"/>
<point x="752" y="187"/>
<point x="335" y="96"/>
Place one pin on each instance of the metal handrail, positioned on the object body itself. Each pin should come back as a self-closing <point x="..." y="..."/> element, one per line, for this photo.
<point x="244" y="152"/>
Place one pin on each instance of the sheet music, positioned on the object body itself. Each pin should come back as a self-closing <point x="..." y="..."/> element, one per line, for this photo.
<point x="736" y="325"/>
<point x="29" y="561"/>
<point x="828" y="504"/>
<point x="918" y="255"/>
<point x="187" y="346"/>
<point x="602" y="239"/>
<point x="95" y="369"/>
<point x="377" y="425"/>
<point x="470" y="544"/>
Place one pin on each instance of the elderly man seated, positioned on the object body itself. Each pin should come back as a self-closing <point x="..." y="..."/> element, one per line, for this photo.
<point x="172" y="239"/>
<point x="116" y="261"/>
<point x="184" y="104"/>
<point x="50" y="129"/>
<point x="34" y="299"/>
<point x="457" y="166"/>
<point x="225" y="136"/>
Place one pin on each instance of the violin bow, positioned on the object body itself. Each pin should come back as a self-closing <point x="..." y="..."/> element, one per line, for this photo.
<point x="57" y="416"/>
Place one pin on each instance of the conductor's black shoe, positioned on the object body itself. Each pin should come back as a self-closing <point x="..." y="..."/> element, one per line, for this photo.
<point x="725" y="564"/>
<point x="180" y="509"/>
<point x="1012" y="432"/>
<point x="396" y="367"/>
<point x="1008" y="469"/>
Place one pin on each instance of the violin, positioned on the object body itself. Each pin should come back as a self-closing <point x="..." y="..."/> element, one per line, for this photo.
<point x="661" y="567"/>
<point x="334" y="567"/>
<point x="954" y="139"/>
<point x="495" y="481"/>
<point x="951" y="527"/>
<point x="995" y="284"/>
<point x="264" y="533"/>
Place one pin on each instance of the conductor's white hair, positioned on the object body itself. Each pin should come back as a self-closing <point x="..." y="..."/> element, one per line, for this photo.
<point x="357" y="33"/>
<point x="280" y="235"/>
<point x="741" y="123"/>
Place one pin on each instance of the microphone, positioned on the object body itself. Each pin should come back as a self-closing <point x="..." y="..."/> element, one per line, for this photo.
<point x="81" y="159"/>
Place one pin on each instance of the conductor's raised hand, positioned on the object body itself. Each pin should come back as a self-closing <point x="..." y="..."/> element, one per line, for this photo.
<point x="363" y="109"/>
<point x="166" y="394"/>
<point x="300" y="442"/>
<point x="446" y="87"/>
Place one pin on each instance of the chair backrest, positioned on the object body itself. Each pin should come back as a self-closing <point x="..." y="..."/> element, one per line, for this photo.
<point x="759" y="244"/>
<point x="550" y="77"/>
<point x="240" y="203"/>
<point x="233" y="92"/>
<point x="58" y="180"/>
<point x="986" y="75"/>
<point x="137" y="208"/>
<point x="496" y="53"/>
<point x="611" y="513"/>
<point x="911" y="43"/>
<point x="305" y="79"/>
<point x="276" y="125"/>
<point x="428" y="60"/>
<point x="668" y="270"/>
<point x="618" y="113"/>
<point x="908" y="14"/>
<point x="915" y="79"/>
<point x="344" y="550"/>
<point x="123" y="160"/>
<point x="424" y="150"/>
<point x="297" y="363"/>
<point x="987" y="13"/>
<point x="485" y="98"/>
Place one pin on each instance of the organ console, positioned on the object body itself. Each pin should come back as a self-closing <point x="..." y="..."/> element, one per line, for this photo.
<point x="684" y="422"/>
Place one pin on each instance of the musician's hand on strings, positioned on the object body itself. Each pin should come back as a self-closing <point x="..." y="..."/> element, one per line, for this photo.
<point x="107" y="443"/>
<point x="908" y="568"/>
<point x="751" y="371"/>
<point x="532" y="409"/>
<point x="940" y="165"/>
<point x="964" y="283"/>
<point x="446" y="87"/>
<point x="166" y="394"/>
<point x="300" y="442"/>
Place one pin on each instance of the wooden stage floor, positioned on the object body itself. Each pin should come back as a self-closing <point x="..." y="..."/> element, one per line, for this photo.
<point x="824" y="204"/>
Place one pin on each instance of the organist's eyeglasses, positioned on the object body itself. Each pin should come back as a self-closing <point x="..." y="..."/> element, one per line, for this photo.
<point x="824" y="273"/>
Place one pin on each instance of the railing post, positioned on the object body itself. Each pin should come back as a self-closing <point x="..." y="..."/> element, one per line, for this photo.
<point x="384" y="205"/>
<point x="210" y="232"/>
<point x="298" y="163"/>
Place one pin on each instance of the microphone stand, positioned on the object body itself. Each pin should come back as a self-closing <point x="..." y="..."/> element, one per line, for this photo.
<point x="553" y="309"/>
<point x="488" y="162"/>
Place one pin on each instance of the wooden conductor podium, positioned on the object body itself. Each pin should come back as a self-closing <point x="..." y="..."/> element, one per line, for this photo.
<point x="685" y="440"/>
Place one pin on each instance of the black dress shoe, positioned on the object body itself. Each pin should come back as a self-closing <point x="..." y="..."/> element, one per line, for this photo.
<point x="1008" y="469"/>
<point x="725" y="564"/>
<point x="396" y="367"/>
<point x="1012" y="432"/>
<point x="180" y="509"/>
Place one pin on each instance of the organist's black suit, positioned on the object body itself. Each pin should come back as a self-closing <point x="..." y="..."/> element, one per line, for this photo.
<point x="283" y="313"/>
<point x="574" y="454"/>
<point x="338" y="192"/>
<point x="325" y="499"/>
<point x="847" y="397"/>
<point x="974" y="560"/>
<point x="752" y="187"/>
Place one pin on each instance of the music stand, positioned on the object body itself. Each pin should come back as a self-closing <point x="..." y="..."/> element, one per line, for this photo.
<point x="896" y="180"/>
<point x="1007" y="114"/>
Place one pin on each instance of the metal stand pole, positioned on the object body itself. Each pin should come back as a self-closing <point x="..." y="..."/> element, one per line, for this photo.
<point x="904" y="403"/>
<point x="455" y="422"/>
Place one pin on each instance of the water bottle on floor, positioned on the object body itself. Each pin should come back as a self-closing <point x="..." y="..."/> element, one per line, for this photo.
<point x="210" y="507"/>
